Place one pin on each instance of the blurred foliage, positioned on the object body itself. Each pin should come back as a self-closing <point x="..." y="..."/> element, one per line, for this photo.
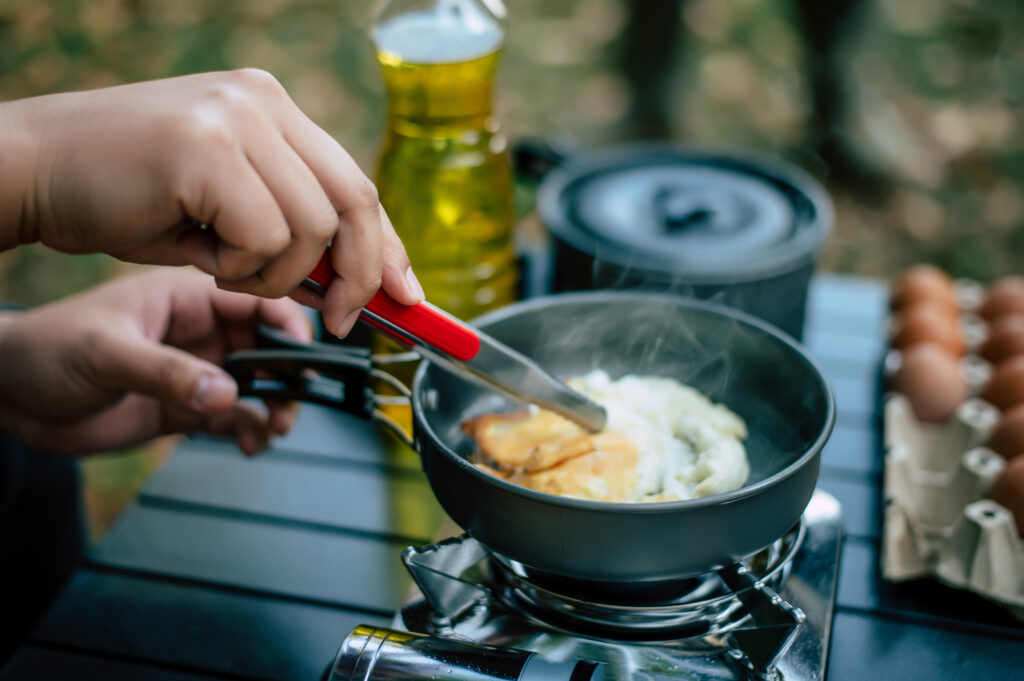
<point x="932" y="89"/>
<point x="931" y="92"/>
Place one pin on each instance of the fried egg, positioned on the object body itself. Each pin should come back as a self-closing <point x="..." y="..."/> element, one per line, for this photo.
<point x="664" y="441"/>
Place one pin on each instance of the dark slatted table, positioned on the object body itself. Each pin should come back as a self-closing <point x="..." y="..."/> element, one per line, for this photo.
<point x="228" y="568"/>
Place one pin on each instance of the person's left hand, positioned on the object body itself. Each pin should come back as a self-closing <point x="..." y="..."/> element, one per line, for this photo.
<point x="136" y="358"/>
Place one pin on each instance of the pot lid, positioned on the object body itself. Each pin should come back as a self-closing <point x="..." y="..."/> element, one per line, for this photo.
<point x="692" y="215"/>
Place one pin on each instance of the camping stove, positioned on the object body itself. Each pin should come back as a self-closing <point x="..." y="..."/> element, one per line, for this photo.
<point x="479" y="616"/>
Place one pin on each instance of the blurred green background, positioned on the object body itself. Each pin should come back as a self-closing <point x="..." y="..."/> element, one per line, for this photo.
<point x="908" y="110"/>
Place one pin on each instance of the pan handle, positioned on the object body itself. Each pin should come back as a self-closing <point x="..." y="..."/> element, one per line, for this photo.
<point x="329" y="375"/>
<point x="534" y="157"/>
<point x="340" y="381"/>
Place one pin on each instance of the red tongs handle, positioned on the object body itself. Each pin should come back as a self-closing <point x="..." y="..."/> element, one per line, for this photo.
<point x="423" y="324"/>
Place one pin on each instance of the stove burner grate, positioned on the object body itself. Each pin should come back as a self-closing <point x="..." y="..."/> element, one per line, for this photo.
<point x="712" y="603"/>
<point x="768" y="617"/>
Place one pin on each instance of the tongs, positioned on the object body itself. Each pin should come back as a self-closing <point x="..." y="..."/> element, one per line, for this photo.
<point x="467" y="352"/>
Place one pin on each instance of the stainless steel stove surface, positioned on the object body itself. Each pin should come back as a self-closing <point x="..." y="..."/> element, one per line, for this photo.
<point x="479" y="616"/>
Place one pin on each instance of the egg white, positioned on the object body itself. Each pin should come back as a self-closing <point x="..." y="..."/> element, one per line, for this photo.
<point x="688" y="447"/>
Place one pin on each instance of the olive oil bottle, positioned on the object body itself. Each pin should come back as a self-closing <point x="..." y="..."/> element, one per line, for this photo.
<point x="445" y="176"/>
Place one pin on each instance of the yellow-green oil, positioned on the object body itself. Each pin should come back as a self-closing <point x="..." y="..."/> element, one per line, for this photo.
<point x="445" y="175"/>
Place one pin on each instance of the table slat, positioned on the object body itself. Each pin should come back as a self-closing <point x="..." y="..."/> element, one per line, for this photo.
<point x="195" y="628"/>
<point x="327" y="433"/>
<point x="32" y="663"/>
<point x="858" y="299"/>
<point x="865" y="646"/>
<point x="356" y="497"/>
<point x="323" y="567"/>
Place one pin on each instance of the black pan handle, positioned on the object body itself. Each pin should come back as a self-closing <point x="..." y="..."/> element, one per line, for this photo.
<point x="286" y="369"/>
<point x="340" y="382"/>
<point x="533" y="158"/>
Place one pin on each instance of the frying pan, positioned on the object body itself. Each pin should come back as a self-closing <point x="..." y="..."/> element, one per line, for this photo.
<point x="731" y="357"/>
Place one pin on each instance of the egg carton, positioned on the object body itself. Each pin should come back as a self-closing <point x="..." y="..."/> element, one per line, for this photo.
<point x="973" y="329"/>
<point x="937" y="520"/>
<point x="969" y="294"/>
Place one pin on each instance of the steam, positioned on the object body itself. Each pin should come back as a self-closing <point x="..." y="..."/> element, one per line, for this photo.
<point x="649" y="335"/>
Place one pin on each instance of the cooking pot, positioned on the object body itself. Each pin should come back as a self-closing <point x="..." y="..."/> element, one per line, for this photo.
<point x="731" y="357"/>
<point x="733" y="226"/>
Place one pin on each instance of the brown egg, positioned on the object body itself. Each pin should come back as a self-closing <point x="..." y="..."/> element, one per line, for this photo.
<point x="929" y="377"/>
<point x="1006" y="387"/>
<point x="1007" y="439"/>
<point x="923" y="283"/>
<point x="1008" y="491"/>
<point x="1005" y="338"/>
<point x="928" y="322"/>
<point x="1005" y="296"/>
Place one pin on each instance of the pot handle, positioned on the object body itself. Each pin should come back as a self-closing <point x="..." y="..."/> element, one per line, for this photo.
<point x="533" y="157"/>
<point x="334" y="376"/>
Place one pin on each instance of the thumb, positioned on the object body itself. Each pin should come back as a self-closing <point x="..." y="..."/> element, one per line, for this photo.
<point x="173" y="376"/>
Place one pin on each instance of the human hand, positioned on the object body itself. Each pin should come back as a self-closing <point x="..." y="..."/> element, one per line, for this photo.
<point x="136" y="358"/>
<point x="130" y="170"/>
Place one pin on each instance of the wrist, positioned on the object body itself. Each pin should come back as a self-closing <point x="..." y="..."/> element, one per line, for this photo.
<point x="19" y="168"/>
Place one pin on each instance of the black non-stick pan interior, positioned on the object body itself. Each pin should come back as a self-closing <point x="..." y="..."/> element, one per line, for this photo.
<point x="749" y="369"/>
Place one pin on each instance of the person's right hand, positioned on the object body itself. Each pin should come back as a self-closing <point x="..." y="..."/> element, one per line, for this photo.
<point x="129" y="170"/>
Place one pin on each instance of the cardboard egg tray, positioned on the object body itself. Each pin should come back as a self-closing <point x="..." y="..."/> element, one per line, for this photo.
<point x="938" y="521"/>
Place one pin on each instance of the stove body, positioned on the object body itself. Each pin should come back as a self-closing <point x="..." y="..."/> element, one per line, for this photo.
<point x="768" y="617"/>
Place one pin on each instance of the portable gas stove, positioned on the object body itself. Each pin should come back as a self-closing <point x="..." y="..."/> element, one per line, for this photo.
<point x="480" y="616"/>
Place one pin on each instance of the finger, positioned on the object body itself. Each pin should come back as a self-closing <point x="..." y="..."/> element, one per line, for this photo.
<point x="357" y="262"/>
<point x="133" y="363"/>
<point x="162" y="250"/>
<point x="284" y="314"/>
<point x="245" y="311"/>
<point x="397" y="277"/>
<point x="248" y="227"/>
<point x="238" y="316"/>
<point x="281" y="415"/>
<point x="311" y="217"/>
<point x="244" y="422"/>
<point x="311" y="300"/>
<point x="356" y="253"/>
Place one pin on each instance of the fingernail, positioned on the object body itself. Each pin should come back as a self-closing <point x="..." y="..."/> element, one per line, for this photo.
<point x="414" y="284"/>
<point x="216" y="392"/>
<point x="346" y="325"/>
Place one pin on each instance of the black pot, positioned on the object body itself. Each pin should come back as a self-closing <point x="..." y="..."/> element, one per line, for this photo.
<point x="733" y="227"/>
